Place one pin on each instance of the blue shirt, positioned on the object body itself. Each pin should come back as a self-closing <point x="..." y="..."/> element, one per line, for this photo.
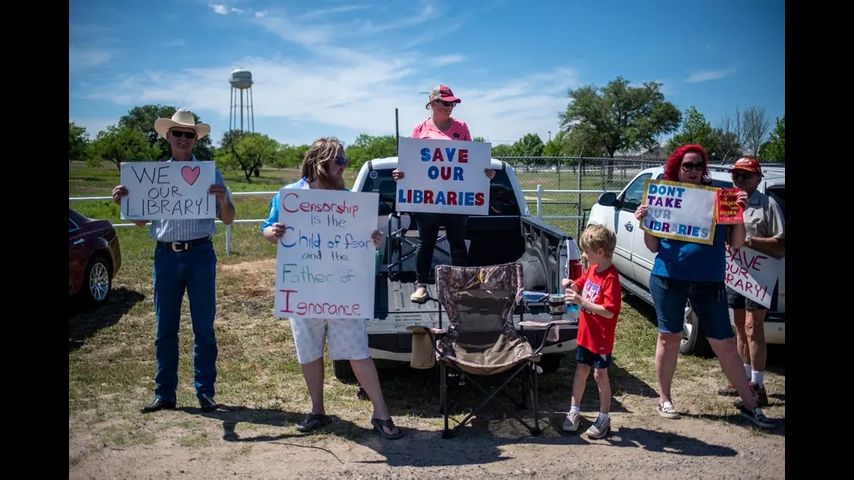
<point x="692" y="262"/>
<point x="186" y="230"/>
<point x="273" y="217"/>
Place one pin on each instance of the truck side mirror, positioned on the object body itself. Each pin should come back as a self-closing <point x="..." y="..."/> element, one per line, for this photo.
<point x="608" y="199"/>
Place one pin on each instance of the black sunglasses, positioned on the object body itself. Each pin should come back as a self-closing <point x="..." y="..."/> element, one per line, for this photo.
<point x="698" y="166"/>
<point x="341" y="161"/>
<point x="182" y="133"/>
<point x="741" y="176"/>
<point x="447" y="104"/>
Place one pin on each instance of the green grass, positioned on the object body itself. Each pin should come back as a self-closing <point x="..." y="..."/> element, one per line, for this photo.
<point x="111" y="354"/>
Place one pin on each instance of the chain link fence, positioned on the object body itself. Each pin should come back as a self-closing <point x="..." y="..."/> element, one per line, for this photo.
<point x="571" y="185"/>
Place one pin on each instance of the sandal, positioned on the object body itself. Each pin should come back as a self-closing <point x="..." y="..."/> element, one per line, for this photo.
<point x="312" y="421"/>
<point x="387" y="428"/>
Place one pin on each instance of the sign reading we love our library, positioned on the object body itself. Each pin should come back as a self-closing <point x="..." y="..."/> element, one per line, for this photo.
<point x="443" y="176"/>
<point x="680" y="211"/>
<point x="168" y="190"/>
<point x="325" y="261"/>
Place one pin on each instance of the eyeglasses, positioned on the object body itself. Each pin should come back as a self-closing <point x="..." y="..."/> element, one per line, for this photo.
<point x="741" y="176"/>
<point x="447" y="104"/>
<point x="341" y="161"/>
<point x="183" y="133"/>
<point x="698" y="166"/>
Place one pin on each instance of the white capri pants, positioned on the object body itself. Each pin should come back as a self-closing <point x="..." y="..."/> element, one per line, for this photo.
<point x="348" y="338"/>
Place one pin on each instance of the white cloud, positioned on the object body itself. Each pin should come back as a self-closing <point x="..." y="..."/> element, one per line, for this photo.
<point x="222" y="9"/>
<point x="706" y="75"/>
<point x="445" y="60"/>
<point x="79" y="58"/>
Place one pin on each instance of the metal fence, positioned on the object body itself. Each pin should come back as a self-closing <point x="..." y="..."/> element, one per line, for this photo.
<point x="560" y="190"/>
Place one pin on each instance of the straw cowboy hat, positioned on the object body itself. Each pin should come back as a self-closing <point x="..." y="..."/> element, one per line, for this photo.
<point x="182" y="118"/>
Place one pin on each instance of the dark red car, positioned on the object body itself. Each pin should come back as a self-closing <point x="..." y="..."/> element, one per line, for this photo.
<point x="94" y="257"/>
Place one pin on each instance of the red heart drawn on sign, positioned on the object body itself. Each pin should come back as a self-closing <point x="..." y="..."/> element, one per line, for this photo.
<point x="190" y="174"/>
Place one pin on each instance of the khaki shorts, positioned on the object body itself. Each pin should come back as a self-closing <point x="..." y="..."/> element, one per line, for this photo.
<point x="348" y="338"/>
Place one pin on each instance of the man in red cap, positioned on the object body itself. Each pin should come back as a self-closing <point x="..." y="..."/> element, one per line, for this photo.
<point x="764" y="228"/>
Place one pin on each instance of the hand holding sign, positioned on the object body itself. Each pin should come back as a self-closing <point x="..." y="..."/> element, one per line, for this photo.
<point x="168" y="190"/>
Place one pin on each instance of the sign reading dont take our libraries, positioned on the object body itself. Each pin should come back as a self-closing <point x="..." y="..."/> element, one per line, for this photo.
<point x="681" y="211"/>
<point x="326" y="260"/>
<point x="170" y="190"/>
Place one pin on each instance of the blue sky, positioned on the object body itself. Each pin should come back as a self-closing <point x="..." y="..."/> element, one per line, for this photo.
<point x="340" y="68"/>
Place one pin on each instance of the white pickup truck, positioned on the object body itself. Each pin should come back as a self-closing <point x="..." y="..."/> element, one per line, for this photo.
<point x="508" y="234"/>
<point x="634" y="261"/>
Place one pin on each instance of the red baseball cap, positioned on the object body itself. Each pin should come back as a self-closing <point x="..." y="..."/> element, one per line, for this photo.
<point x="748" y="164"/>
<point x="443" y="92"/>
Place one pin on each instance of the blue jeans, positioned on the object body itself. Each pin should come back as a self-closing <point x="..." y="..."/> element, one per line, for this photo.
<point x="194" y="271"/>
<point x="708" y="299"/>
<point x="428" y="232"/>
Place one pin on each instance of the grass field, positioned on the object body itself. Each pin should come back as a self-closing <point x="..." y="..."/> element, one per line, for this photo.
<point x="111" y="355"/>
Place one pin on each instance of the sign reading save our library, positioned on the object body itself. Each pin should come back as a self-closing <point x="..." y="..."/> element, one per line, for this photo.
<point x="681" y="211"/>
<point x="168" y="190"/>
<point x="326" y="260"/>
<point x="443" y="176"/>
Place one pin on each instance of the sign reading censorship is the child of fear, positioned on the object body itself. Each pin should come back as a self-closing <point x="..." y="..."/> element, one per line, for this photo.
<point x="168" y="190"/>
<point x="753" y="273"/>
<point x="443" y="176"/>
<point x="325" y="263"/>
<point x="681" y="211"/>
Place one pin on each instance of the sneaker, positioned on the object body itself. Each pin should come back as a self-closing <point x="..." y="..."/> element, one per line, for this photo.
<point x="420" y="294"/>
<point x="666" y="410"/>
<point x="728" y="391"/>
<point x="759" y="394"/>
<point x="599" y="429"/>
<point x="571" y="422"/>
<point x="756" y="416"/>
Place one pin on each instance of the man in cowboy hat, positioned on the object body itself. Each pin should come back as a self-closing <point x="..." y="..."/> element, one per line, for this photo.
<point x="184" y="259"/>
<point x="764" y="231"/>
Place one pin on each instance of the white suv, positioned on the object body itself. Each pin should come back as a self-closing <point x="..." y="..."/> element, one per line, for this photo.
<point x="634" y="261"/>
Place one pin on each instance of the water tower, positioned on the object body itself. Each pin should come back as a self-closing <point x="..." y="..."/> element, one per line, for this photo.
<point x="241" y="81"/>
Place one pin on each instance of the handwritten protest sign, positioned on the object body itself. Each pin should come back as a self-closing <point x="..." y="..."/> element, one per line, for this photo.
<point x="752" y="274"/>
<point x="168" y="190"/>
<point x="727" y="210"/>
<point x="681" y="211"/>
<point x="443" y="176"/>
<point x="325" y="263"/>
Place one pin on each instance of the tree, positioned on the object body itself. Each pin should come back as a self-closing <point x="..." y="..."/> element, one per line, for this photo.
<point x="755" y="127"/>
<point x="367" y="147"/>
<point x="503" y="151"/>
<point x="121" y="144"/>
<point x="246" y="151"/>
<point x="695" y="129"/>
<point x="142" y="119"/>
<point x="619" y="117"/>
<point x="774" y="150"/>
<point x="78" y="142"/>
<point x="530" y="145"/>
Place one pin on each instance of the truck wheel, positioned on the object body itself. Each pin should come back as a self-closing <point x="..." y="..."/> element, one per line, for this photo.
<point x="343" y="372"/>
<point x="550" y="362"/>
<point x="693" y="339"/>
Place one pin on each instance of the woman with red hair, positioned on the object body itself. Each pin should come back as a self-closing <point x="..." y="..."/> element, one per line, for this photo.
<point x="685" y="271"/>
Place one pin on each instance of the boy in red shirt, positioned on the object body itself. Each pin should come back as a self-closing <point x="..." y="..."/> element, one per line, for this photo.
<point x="599" y="301"/>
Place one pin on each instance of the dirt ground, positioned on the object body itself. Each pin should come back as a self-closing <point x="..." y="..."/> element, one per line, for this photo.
<point x="641" y="445"/>
<point x="252" y="442"/>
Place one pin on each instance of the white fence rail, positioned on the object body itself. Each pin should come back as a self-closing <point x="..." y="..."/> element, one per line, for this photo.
<point x="537" y="212"/>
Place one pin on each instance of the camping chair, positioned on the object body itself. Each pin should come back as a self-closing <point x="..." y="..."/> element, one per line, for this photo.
<point x="480" y="338"/>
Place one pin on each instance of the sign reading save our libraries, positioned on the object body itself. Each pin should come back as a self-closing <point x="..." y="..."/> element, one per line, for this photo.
<point x="326" y="262"/>
<point x="443" y="176"/>
<point x="681" y="211"/>
<point x="168" y="190"/>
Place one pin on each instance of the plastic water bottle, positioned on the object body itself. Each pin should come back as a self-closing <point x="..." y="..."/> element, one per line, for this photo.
<point x="572" y="309"/>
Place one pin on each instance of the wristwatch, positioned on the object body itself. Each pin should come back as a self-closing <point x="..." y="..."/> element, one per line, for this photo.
<point x="747" y="240"/>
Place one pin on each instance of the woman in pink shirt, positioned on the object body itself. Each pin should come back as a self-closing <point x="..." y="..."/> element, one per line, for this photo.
<point x="439" y="126"/>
